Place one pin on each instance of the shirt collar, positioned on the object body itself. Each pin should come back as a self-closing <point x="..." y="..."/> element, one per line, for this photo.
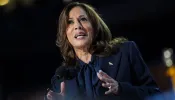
<point x="83" y="63"/>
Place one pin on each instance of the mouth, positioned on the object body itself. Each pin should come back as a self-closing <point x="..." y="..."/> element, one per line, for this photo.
<point x="80" y="35"/>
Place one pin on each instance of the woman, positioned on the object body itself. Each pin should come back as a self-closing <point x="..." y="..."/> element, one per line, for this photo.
<point x="97" y="66"/>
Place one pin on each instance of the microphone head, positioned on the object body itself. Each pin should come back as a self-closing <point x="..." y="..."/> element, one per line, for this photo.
<point x="66" y="73"/>
<point x="60" y="72"/>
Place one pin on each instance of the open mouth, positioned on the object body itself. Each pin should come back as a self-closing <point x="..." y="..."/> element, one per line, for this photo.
<point x="78" y="36"/>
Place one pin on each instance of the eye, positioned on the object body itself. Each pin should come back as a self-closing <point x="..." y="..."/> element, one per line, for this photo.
<point x="70" y="22"/>
<point x="83" y="19"/>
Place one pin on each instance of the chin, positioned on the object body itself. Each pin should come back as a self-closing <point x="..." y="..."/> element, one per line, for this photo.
<point x="81" y="46"/>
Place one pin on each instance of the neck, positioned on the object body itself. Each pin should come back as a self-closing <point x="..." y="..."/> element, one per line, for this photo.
<point x="83" y="55"/>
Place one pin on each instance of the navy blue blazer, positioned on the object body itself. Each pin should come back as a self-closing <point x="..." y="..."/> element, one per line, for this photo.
<point x="127" y="67"/>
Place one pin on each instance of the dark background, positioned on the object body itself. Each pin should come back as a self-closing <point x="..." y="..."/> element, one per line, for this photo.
<point x="28" y="52"/>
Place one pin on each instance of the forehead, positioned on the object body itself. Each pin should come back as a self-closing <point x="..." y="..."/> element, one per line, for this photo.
<point x="76" y="12"/>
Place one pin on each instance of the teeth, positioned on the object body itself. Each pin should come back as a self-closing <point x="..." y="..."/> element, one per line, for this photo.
<point x="80" y="36"/>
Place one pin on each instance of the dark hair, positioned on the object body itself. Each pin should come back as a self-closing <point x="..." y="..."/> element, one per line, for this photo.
<point x="102" y="43"/>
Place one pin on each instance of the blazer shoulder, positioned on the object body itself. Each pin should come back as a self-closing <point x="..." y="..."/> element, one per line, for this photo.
<point x="128" y="46"/>
<point x="129" y="43"/>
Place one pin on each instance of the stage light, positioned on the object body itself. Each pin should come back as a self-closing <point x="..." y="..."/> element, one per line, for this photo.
<point x="3" y="2"/>
<point x="167" y="54"/>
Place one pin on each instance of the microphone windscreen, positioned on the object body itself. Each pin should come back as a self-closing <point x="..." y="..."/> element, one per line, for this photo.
<point x="60" y="72"/>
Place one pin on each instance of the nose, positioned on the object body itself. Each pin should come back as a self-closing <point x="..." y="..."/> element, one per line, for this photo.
<point x="77" y="25"/>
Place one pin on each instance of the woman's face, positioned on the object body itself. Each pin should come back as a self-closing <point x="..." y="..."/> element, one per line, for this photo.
<point x="79" y="30"/>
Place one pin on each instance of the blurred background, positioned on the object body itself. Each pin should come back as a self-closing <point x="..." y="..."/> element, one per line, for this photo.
<point x="28" y="30"/>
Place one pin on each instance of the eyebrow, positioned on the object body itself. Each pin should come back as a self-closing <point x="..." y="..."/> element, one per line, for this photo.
<point x="82" y="16"/>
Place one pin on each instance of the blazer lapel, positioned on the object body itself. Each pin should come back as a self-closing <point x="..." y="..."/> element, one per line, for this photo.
<point x="107" y="64"/>
<point x="110" y="65"/>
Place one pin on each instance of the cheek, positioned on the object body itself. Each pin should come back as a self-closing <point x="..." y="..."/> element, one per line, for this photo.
<point x="91" y="32"/>
<point x="89" y="28"/>
<point x="68" y="31"/>
<point x="69" y="34"/>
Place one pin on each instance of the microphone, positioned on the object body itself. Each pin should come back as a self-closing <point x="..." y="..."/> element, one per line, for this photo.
<point x="66" y="73"/>
<point x="61" y="72"/>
